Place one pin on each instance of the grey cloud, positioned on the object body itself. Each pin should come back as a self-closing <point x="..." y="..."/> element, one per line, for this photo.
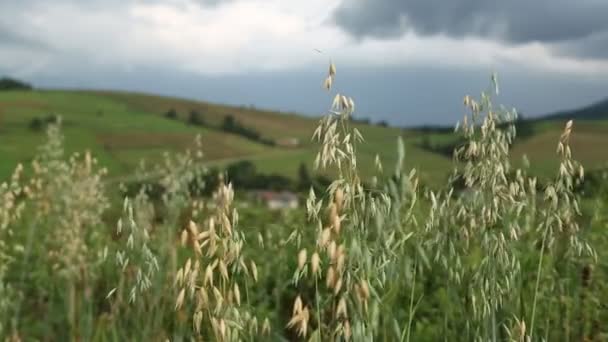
<point x="514" y="21"/>
<point x="213" y="2"/>
<point x="411" y="95"/>
<point x="94" y="4"/>
<point x="9" y="38"/>
<point x="592" y="47"/>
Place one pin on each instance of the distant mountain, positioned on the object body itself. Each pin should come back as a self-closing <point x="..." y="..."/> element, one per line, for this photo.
<point x="595" y="111"/>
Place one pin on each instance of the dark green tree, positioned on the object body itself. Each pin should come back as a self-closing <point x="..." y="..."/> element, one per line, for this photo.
<point x="196" y="118"/>
<point x="229" y="123"/>
<point x="304" y="179"/>
<point x="7" y="83"/>
<point x="36" y="124"/>
<point x="242" y="173"/>
<point x="171" y="114"/>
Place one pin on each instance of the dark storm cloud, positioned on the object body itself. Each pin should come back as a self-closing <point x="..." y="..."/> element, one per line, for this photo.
<point x="593" y="47"/>
<point x="554" y="22"/>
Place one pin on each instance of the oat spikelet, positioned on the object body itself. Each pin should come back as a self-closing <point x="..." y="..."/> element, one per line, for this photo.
<point x="300" y="320"/>
<point x="341" y="308"/>
<point x="522" y="331"/>
<point x="314" y="261"/>
<point x="208" y="278"/>
<point x="237" y="294"/>
<point x="184" y="238"/>
<point x="339" y="199"/>
<point x="330" y="278"/>
<point x="337" y="224"/>
<point x="565" y="137"/>
<point x="338" y="286"/>
<point x="222" y="329"/>
<point x="332" y="69"/>
<point x="187" y="268"/>
<point x="193" y="228"/>
<point x="327" y="83"/>
<point x="266" y="327"/>
<point x="223" y="270"/>
<point x="340" y="261"/>
<point x="331" y="251"/>
<point x="254" y="271"/>
<point x="302" y="256"/>
<point x="325" y="236"/>
<point x="364" y="289"/>
<point x="297" y="306"/>
<point x="347" y="330"/>
<point x="179" y="277"/>
<point x="180" y="299"/>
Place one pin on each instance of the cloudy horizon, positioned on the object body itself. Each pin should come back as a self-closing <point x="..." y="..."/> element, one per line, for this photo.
<point x="406" y="62"/>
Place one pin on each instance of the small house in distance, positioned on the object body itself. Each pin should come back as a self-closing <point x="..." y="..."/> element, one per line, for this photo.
<point x="277" y="200"/>
<point x="288" y="142"/>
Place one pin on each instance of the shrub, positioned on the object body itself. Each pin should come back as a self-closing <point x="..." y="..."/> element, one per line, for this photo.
<point x="242" y="173"/>
<point x="171" y="114"/>
<point x="304" y="179"/>
<point x="36" y="124"/>
<point x="195" y="118"/>
<point x="383" y="123"/>
<point x="231" y="125"/>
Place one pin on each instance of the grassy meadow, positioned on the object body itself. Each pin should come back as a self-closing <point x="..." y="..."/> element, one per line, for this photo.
<point x="424" y="245"/>
<point x="120" y="129"/>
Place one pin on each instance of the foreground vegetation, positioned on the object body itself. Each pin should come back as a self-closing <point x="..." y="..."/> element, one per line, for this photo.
<point x="500" y="257"/>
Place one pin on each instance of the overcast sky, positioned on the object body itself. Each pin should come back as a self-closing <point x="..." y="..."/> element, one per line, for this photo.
<point x="406" y="61"/>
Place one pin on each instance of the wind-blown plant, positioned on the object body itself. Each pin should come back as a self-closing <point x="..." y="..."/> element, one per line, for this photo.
<point x="11" y="209"/>
<point x="483" y="222"/>
<point x="355" y="244"/>
<point x="66" y="201"/>
<point x="483" y="237"/>
<point x="562" y="239"/>
<point x="215" y="272"/>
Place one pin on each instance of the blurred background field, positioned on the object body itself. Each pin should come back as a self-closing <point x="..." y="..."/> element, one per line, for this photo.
<point x="122" y="128"/>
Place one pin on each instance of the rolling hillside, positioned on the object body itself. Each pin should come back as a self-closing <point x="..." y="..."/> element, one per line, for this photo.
<point x="588" y="142"/>
<point x="537" y="139"/>
<point x="595" y="111"/>
<point x="122" y="128"/>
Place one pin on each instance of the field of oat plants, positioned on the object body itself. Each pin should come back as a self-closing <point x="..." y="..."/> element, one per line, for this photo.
<point x="500" y="258"/>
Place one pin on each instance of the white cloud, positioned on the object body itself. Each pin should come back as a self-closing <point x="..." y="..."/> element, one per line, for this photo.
<point x="242" y="36"/>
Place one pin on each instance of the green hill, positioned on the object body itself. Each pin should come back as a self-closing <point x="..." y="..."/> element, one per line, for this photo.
<point x="537" y="139"/>
<point x="595" y="111"/>
<point x="588" y="142"/>
<point x="121" y="128"/>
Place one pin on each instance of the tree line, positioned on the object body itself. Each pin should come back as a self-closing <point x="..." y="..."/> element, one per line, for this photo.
<point x="229" y="124"/>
